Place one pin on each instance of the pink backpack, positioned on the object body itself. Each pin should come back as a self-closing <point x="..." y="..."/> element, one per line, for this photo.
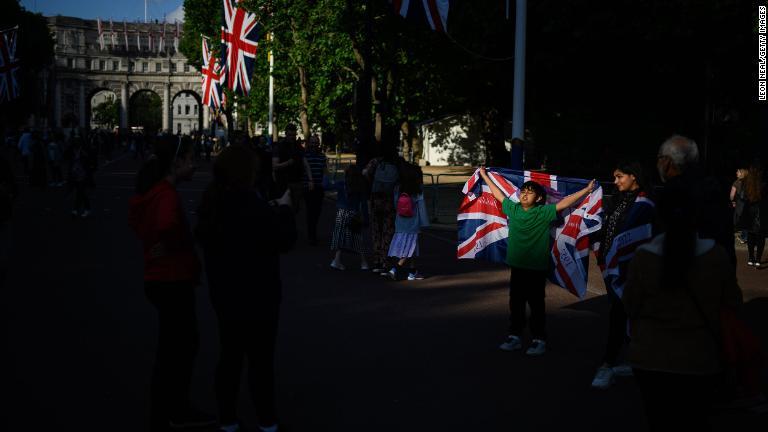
<point x="405" y="205"/>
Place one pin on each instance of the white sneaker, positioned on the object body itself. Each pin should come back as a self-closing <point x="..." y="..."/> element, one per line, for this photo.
<point x="337" y="266"/>
<point x="364" y="267"/>
<point x="604" y="378"/>
<point x="85" y="214"/>
<point x="511" y="344"/>
<point x="537" y="348"/>
<point x="750" y="263"/>
<point x="623" y="370"/>
<point x="415" y="276"/>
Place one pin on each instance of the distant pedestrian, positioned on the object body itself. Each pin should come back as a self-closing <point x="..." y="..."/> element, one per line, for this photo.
<point x="37" y="176"/>
<point x="738" y="202"/>
<point x="351" y="216"/>
<point x="756" y="213"/>
<point x="55" y="158"/>
<point x="676" y="287"/>
<point x="171" y="273"/>
<point x="410" y="218"/>
<point x="629" y="216"/>
<point x="78" y="178"/>
<point x="528" y="256"/>
<point x="314" y="193"/>
<point x="8" y="192"/>
<point x="25" y="150"/>
<point x="289" y="166"/>
<point x="242" y="235"/>
<point x="384" y="175"/>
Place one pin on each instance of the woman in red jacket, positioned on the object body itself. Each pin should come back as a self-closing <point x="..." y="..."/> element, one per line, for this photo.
<point x="171" y="272"/>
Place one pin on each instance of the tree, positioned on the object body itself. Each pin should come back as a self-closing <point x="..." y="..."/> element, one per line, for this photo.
<point x="146" y="111"/>
<point x="106" y="114"/>
<point x="35" y="52"/>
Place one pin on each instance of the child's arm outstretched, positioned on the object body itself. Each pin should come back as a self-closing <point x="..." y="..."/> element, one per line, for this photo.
<point x="497" y="193"/>
<point x="572" y="198"/>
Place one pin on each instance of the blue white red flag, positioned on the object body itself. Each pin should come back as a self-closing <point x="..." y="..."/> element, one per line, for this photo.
<point x="434" y="11"/>
<point x="635" y="230"/>
<point x="9" y="65"/>
<point x="483" y="225"/>
<point x="240" y="37"/>
<point x="213" y="76"/>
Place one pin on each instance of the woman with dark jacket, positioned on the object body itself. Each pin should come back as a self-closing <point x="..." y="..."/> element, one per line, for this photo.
<point x="677" y="284"/>
<point x="242" y="235"/>
<point x="171" y="273"/>
<point x="755" y="213"/>
<point x="630" y="214"/>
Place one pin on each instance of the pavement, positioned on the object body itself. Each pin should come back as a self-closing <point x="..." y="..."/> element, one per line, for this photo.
<point x="356" y="352"/>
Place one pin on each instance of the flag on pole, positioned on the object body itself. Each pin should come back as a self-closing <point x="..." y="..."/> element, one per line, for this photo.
<point x="213" y="77"/>
<point x="112" y="34"/>
<point x="125" y="34"/>
<point x="483" y="226"/>
<point x="239" y="36"/>
<point x="162" y="39"/>
<point x="434" y="11"/>
<point x="176" y="39"/>
<point x="101" y="33"/>
<point x="9" y="65"/>
<point x="149" y="40"/>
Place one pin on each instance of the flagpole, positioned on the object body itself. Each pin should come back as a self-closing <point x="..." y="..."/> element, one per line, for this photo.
<point x="518" y="95"/>
<point x="270" y="126"/>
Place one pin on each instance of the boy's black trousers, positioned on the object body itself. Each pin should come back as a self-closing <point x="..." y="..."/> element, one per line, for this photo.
<point x="526" y="286"/>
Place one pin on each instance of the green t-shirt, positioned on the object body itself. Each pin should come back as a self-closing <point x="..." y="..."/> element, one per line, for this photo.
<point x="528" y="242"/>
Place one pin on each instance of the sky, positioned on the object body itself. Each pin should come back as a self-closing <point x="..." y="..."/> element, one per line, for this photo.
<point x="118" y="10"/>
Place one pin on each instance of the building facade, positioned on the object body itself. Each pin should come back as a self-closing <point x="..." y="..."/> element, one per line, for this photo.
<point x="124" y="59"/>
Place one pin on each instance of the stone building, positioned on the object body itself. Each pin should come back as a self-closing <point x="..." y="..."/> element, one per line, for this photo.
<point x="124" y="60"/>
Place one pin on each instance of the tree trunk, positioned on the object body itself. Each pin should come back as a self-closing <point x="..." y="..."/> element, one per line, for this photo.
<point x="303" y="116"/>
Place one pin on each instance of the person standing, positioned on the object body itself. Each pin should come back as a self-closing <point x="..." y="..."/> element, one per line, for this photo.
<point x="384" y="173"/>
<point x="755" y="213"/>
<point x="676" y="287"/>
<point x="54" y="160"/>
<point x="351" y="215"/>
<point x="738" y="201"/>
<point x="410" y="218"/>
<point x="630" y="213"/>
<point x="528" y="256"/>
<point x="78" y="178"/>
<point x="244" y="281"/>
<point x="289" y="166"/>
<point x="171" y="273"/>
<point x="314" y="194"/>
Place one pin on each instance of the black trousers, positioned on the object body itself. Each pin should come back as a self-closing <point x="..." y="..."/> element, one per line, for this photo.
<point x="676" y="402"/>
<point x="755" y="241"/>
<point x="617" y="330"/>
<point x="314" y="201"/>
<point x="177" y="346"/>
<point x="249" y="337"/>
<point x="527" y="287"/>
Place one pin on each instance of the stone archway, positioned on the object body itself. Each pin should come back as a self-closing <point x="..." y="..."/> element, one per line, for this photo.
<point x="145" y="108"/>
<point x="94" y="99"/>
<point x="186" y="113"/>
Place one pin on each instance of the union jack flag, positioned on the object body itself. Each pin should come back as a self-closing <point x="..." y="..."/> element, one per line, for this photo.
<point x="434" y="11"/>
<point x="9" y="65"/>
<point x="213" y="75"/>
<point x="635" y="229"/>
<point x="239" y="36"/>
<point x="483" y="225"/>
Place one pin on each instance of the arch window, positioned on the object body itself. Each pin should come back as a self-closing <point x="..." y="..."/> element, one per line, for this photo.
<point x="186" y="109"/>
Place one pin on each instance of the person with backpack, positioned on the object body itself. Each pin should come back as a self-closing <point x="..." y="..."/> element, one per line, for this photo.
<point x="243" y="280"/>
<point x="384" y="173"/>
<point x="411" y="217"/>
<point x="351" y="216"/>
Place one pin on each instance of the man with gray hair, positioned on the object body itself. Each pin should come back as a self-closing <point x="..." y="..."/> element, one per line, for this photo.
<point x="679" y="169"/>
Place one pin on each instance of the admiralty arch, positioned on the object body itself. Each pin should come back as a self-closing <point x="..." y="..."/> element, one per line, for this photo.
<point x="128" y="58"/>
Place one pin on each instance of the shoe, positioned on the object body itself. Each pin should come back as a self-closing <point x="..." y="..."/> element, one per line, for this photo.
<point x="75" y="213"/>
<point x="750" y="263"/>
<point x="758" y="264"/>
<point x="230" y="428"/>
<point x="623" y="370"/>
<point x="604" y="378"/>
<point x="364" y="267"/>
<point x="511" y="344"/>
<point x="378" y="270"/>
<point x="337" y="266"/>
<point x="415" y="276"/>
<point x="192" y="418"/>
<point x="85" y="214"/>
<point x="392" y="273"/>
<point x="537" y="348"/>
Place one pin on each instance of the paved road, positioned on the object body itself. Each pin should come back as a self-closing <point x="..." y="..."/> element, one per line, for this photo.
<point x="356" y="352"/>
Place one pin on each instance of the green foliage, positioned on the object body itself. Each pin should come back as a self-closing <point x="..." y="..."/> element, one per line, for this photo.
<point x="106" y="114"/>
<point x="146" y="110"/>
<point x="34" y="49"/>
